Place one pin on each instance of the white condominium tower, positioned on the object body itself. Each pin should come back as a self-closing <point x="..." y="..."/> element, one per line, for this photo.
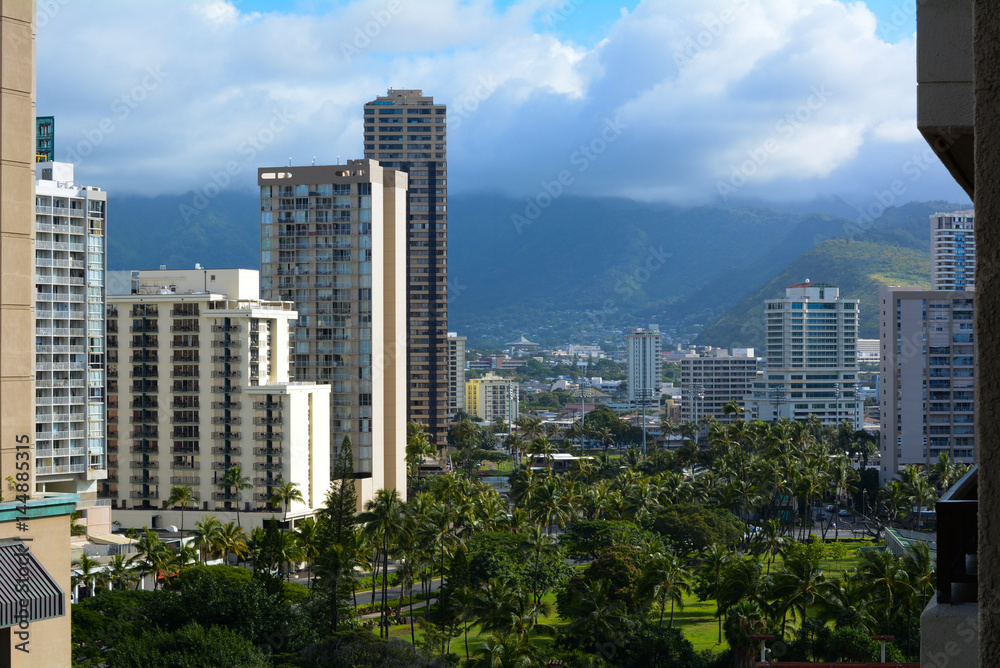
<point x="70" y="413"/>
<point x="811" y="360"/>
<point x="644" y="347"/>
<point x="333" y="241"/>
<point x="199" y="382"/>
<point x="953" y="250"/>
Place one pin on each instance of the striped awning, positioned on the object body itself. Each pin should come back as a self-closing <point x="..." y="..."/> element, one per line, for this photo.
<point x="27" y="591"/>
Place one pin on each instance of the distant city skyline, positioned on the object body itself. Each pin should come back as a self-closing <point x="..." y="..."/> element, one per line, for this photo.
<point x="687" y="101"/>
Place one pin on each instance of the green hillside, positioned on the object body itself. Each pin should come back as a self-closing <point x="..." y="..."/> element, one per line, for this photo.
<point x="858" y="268"/>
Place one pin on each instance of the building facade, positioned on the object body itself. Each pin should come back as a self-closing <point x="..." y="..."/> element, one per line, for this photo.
<point x="199" y="384"/>
<point x="927" y="392"/>
<point x="456" y="373"/>
<point x="711" y="380"/>
<point x="405" y="130"/>
<point x="34" y="526"/>
<point x="333" y="241"/>
<point x="644" y="361"/>
<point x="953" y="250"/>
<point x="492" y="397"/>
<point x="70" y="412"/>
<point x="45" y="148"/>
<point x="811" y="360"/>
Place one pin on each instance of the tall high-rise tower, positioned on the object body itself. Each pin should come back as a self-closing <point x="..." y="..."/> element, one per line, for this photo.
<point x="644" y="347"/>
<point x="405" y="130"/>
<point x="333" y="241"/>
<point x="953" y="250"/>
<point x="811" y="366"/>
<point x="70" y="222"/>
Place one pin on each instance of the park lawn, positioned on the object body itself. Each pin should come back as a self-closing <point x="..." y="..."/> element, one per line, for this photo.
<point x="697" y="621"/>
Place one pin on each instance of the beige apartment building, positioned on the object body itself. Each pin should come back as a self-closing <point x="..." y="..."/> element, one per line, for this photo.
<point x="492" y="397"/>
<point x="34" y="529"/>
<point x="928" y="367"/>
<point x="405" y="130"/>
<point x="199" y="383"/>
<point x="712" y="379"/>
<point x="333" y="242"/>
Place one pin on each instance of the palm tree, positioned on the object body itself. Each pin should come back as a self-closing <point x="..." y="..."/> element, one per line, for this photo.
<point x="385" y="520"/>
<point x="418" y="447"/>
<point x="182" y="496"/>
<point x="119" y="574"/>
<point x="90" y="572"/>
<point x="846" y="604"/>
<point x="886" y="580"/>
<point x="232" y="539"/>
<point x="290" y="552"/>
<point x="309" y="536"/>
<point x="152" y="556"/>
<point x="743" y="621"/>
<point x="236" y="481"/>
<point x="207" y="536"/>
<point x="665" y="578"/>
<point x="799" y="582"/>
<point x="285" y="493"/>
<point x="506" y="651"/>
<point x="593" y="615"/>
<point x="918" y="489"/>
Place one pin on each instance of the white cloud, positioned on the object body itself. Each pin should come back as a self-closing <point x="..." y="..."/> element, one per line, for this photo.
<point x="153" y="96"/>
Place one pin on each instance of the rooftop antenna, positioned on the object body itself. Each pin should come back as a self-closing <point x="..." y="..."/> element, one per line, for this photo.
<point x="314" y="161"/>
<point x="289" y="161"/>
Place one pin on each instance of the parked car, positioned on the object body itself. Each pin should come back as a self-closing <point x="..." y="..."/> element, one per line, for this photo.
<point x="845" y="513"/>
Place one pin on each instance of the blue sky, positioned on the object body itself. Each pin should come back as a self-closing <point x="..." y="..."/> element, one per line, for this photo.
<point x="687" y="101"/>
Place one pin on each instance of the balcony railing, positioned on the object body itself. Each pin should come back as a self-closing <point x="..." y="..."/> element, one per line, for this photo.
<point x="958" y="541"/>
<point x="140" y="480"/>
<point x="219" y="450"/>
<point x="144" y="495"/>
<point x="144" y="465"/>
<point x="267" y="452"/>
<point x="185" y="480"/>
<point x="226" y="405"/>
<point x="267" y="405"/>
<point x="267" y="466"/>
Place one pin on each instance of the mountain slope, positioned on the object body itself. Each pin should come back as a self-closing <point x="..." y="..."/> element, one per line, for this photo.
<point x="894" y="250"/>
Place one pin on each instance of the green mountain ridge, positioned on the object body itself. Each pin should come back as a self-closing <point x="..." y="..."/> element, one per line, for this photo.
<point x="895" y="250"/>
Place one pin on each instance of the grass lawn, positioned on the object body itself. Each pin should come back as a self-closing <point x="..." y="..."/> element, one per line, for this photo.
<point x="696" y="620"/>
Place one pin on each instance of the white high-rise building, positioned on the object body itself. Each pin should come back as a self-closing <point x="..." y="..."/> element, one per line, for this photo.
<point x="953" y="250"/>
<point x="456" y="372"/>
<point x="643" y="346"/>
<point x="928" y="362"/>
<point x="70" y="408"/>
<point x="811" y="361"/>
<point x="198" y="369"/>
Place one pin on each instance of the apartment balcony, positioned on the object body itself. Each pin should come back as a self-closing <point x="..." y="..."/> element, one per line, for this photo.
<point x="268" y="405"/>
<point x="267" y="466"/>
<point x="184" y="329"/>
<point x="226" y="420"/>
<point x="226" y="374"/>
<point x="144" y="433"/>
<point x="146" y="449"/>
<point x="226" y="359"/>
<point x="182" y="433"/>
<point x="185" y="388"/>
<point x="268" y="452"/>
<point x="147" y="328"/>
<point x="223" y="496"/>
<point x="222" y="466"/>
<point x="220" y="450"/>
<point x="185" y="403"/>
<point x="267" y="436"/>
<point x="225" y="329"/>
<point x="226" y="405"/>
<point x="142" y="402"/>
<point x="184" y="465"/>
<point x="144" y="356"/>
<point x="144" y="465"/>
<point x="226" y="435"/>
<point x="226" y="389"/>
<point x="144" y="495"/>
<point x="266" y="482"/>
<point x="228" y="343"/>
<point x="192" y="480"/>
<point x="144" y="419"/>
<point x="185" y="450"/>
<point x="268" y="420"/>
<point x="185" y="357"/>
<point x="185" y="419"/>
<point x="144" y="480"/>
<point x="260" y="496"/>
